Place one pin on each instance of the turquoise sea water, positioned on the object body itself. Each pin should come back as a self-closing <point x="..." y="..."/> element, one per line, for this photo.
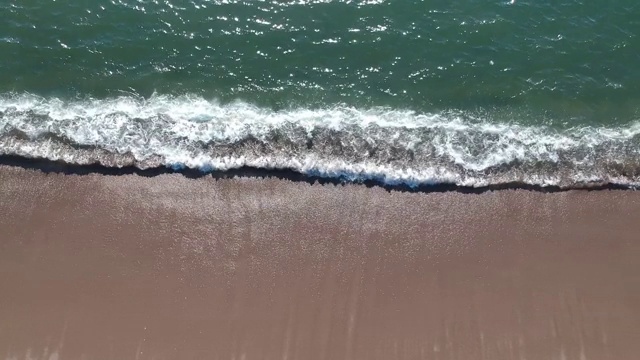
<point x="469" y="92"/>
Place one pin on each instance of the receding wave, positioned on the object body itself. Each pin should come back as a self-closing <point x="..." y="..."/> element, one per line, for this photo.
<point x="381" y="144"/>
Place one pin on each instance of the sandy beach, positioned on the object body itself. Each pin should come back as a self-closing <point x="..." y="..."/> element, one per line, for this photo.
<point x="167" y="267"/>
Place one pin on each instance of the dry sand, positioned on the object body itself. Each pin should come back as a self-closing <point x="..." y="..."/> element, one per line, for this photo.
<point x="166" y="267"/>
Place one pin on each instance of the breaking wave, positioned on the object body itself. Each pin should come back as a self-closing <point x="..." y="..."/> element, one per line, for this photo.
<point x="381" y="144"/>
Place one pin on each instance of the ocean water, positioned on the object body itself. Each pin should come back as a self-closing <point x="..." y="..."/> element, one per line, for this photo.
<point x="468" y="92"/>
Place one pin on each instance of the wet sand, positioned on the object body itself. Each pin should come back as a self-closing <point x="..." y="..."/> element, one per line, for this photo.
<point x="166" y="267"/>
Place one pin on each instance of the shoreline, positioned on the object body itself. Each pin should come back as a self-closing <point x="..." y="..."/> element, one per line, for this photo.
<point x="59" y="167"/>
<point x="170" y="267"/>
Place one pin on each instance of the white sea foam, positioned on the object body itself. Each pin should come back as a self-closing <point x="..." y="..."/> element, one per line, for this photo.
<point x="388" y="145"/>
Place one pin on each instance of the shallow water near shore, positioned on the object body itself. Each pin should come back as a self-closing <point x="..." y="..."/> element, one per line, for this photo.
<point x="467" y="93"/>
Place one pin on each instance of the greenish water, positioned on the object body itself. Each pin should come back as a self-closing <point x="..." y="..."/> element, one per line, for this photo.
<point x="571" y="58"/>
<point x="552" y="70"/>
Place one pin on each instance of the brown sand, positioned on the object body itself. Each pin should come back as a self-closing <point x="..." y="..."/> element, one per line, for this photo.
<point x="128" y="267"/>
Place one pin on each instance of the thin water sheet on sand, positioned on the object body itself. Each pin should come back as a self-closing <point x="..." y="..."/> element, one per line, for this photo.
<point x="166" y="267"/>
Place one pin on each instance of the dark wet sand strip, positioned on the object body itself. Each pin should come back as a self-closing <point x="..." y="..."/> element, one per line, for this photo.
<point x="129" y="267"/>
